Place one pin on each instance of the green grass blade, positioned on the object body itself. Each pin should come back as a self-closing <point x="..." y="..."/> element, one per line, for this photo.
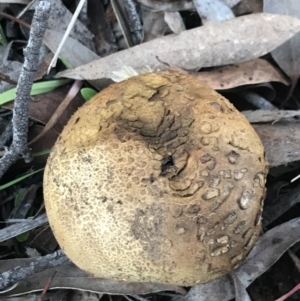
<point x="37" y="88"/>
<point x="2" y="37"/>
<point x="42" y="153"/>
<point x="4" y="186"/>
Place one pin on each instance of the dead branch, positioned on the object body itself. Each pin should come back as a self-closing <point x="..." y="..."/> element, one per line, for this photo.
<point x="9" y="278"/>
<point x="21" y="105"/>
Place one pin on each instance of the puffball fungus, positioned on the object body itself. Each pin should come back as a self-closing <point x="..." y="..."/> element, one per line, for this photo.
<point x="157" y="178"/>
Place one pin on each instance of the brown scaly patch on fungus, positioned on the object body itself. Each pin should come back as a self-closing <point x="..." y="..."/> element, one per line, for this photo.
<point x="156" y="179"/>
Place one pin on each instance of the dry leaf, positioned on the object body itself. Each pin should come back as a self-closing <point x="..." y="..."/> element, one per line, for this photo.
<point x="241" y="293"/>
<point x="214" y="44"/>
<point x="154" y="25"/>
<point x="59" y="111"/>
<point x="258" y="116"/>
<point x="247" y="73"/>
<point x="71" y="277"/>
<point x="213" y="10"/>
<point x="31" y="297"/>
<point x="287" y="55"/>
<point x="281" y="142"/>
<point x="120" y="12"/>
<point x="265" y="253"/>
<point x="281" y="205"/>
<point x="248" y="7"/>
<point x="175" y="22"/>
<point x="59" y="20"/>
<point x="105" y="41"/>
<point x="43" y="107"/>
<point x="178" y="5"/>
<point x="75" y="53"/>
<point x="15" y="1"/>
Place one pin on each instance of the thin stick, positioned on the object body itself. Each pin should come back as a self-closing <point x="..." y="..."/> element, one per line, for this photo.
<point x="46" y="287"/>
<point x="66" y="34"/>
<point x="21" y="104"/>
<point x="39" y="264"/>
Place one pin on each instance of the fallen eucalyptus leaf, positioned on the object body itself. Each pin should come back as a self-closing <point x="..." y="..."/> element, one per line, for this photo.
<point x="32" y="297"/>
<point x="69" y="276"/>
<point x="15" y="1"/>
<point x="178" y="5"/>
<point x="22" y="227"/>
<point x="287" y="55"/>
<point x="44" y="106"/>
<point x="241" y="293"/>
<point x="265" y="253"/>
<point x="259" y="116"/>
<point x="122" y="17"/>
<point x="246" y="73"/>
<point x="213" y="10"/>
<point x="175" y="22"/>
<point x="281" y="205"/>
<point x="154" y="25"/>
<point x="228" y="42"/>
<point x="248" y="7"/>
<point x="59" y="21"/>
<point x="281" y="142"/>
<point x="73" y="52"/>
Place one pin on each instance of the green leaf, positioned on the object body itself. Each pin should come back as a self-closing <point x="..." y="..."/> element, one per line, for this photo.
<point x="37" y="88"/>
<point x="4" y="186"/>
<point x="23" y="237"/>
<point x="2" y="37"/>
<point x="18" y="197"/>
<point x="42" y="153"/>
<point x="88" y="93"/>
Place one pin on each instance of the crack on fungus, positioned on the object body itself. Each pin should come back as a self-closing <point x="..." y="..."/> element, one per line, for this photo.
<point x="166" y="164"/>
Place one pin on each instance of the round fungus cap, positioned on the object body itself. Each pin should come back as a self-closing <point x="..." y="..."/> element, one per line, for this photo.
<point x="156" y="179"/>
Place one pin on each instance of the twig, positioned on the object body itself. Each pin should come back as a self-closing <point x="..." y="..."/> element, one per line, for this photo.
<point x="19" y="228"/>
<point x="66" y="34"/>
<point x="21" y="104"/>
<point x="11" y="277"/>
<point x="46" y="287"/>
<point x="290" y="293"/>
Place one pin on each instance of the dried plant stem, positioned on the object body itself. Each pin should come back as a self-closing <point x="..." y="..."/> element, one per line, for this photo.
<point x="21" y="104"/>
<point x="10" y="277"/>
